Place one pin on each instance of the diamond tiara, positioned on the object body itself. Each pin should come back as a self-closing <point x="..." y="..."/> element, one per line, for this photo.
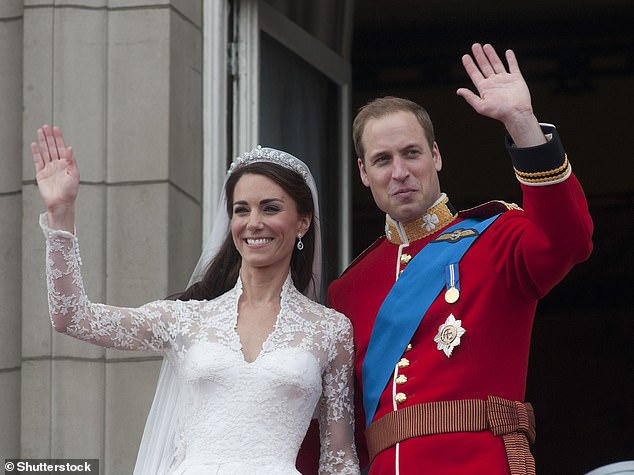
<point x="260" y="154"/>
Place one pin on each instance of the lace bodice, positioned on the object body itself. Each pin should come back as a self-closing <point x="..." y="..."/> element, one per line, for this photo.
<point x="233" y="416"/>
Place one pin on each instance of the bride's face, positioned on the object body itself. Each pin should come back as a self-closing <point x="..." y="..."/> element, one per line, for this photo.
<point x="265" y="222"/>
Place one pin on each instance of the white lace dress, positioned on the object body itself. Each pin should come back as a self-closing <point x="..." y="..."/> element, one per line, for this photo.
<point x="234" y="417"/>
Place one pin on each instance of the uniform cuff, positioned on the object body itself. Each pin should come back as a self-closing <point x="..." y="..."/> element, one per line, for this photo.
<point x="545" y="164"/>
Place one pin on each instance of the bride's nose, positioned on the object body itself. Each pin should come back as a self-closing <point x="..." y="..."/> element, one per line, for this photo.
<point x="255" y="221"/>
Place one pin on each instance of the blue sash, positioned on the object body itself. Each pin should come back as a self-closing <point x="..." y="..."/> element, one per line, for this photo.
<point x="407" y="302"/>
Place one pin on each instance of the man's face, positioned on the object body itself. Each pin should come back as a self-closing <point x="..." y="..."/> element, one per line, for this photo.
<point x="400" y="167"/>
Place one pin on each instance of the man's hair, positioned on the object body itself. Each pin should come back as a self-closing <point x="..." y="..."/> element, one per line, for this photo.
<point x="383" y="106"/>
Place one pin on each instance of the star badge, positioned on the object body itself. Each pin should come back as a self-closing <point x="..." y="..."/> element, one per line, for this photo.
<point x="449" y="334"/>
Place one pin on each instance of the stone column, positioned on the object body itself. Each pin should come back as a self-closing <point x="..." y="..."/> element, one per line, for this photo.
<point x="123" y="80"/>
<point x="10" y="223"/>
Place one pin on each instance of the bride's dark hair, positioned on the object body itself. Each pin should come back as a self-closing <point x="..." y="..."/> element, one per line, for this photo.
<point x="222" y="273"/>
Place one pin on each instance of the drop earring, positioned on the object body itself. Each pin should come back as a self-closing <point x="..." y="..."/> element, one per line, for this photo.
<point x="300" y="244"/>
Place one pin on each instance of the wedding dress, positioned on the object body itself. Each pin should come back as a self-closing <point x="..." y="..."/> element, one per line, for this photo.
<point x="233" y="416"/>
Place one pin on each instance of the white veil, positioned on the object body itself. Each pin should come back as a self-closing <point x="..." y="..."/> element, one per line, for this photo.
<point x="157" y="452"/>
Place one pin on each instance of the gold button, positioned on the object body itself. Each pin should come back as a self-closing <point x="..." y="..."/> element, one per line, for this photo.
<point x="403" y="363"/>
<point x="408" y="347"/>
<point x="400" y="398"/>
<point x="401" y="379"/>
<point x="405" y="258"/>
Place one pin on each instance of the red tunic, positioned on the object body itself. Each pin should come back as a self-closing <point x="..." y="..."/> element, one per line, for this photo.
<point x="513" y="264"/>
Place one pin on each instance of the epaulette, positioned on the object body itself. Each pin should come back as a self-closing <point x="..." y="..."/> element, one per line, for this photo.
<point x="356" y="260"/>
<point x="488" y="209"/>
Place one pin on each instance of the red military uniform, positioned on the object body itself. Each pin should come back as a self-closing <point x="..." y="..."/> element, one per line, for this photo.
<point x="513" y="264"/>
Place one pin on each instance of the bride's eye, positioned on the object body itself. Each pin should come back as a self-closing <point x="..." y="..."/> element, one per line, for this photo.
<point x="272" y="209"/>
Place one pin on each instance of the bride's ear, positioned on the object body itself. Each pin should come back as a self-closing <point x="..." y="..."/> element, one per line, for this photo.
<point x="304" y="223"/>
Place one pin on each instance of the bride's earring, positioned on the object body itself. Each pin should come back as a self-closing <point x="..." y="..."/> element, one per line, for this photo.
<point x="300" y="244"/>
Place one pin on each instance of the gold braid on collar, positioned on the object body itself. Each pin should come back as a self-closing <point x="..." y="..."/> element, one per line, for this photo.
<point x="437" y="217"/>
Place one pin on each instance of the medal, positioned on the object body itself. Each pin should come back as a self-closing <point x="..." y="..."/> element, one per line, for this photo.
<point x="452" y="279"/>
<point x="448" y="336"/>
<point x="452" y="295"/>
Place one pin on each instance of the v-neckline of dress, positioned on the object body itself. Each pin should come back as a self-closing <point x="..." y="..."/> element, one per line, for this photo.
<point x="266" y="342"/>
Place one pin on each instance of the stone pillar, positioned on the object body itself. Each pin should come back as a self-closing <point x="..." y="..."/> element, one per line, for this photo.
<point x="10" y="223"/>
<point x="123" y="79"/>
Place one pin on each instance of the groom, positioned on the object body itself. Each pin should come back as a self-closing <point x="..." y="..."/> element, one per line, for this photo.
<point x="443" y="304"/>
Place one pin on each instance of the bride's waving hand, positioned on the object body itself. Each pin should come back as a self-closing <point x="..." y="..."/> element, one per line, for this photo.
<point x="57" y="176"/>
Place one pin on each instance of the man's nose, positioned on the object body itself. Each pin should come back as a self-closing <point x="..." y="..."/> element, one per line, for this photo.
<point x="399" y="169"/>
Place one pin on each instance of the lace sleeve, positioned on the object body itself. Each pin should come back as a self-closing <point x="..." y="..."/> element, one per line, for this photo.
<point x="336" y="411"/>
<point x="144" y="328"/>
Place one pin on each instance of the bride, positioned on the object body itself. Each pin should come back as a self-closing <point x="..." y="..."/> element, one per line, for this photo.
<point x="247" y="356"/>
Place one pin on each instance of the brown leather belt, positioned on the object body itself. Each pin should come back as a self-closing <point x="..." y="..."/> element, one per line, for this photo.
<point x="512" y="420"/>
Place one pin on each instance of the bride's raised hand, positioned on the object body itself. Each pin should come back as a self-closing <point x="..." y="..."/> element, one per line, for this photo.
<point x="57" y="176"/>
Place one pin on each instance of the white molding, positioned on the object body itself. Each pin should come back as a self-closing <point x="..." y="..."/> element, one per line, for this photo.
<point x="246" y="104"/>
<point x="215" y="33"/>
<point x="345" y="179"/>
<point x="346" y="154"/>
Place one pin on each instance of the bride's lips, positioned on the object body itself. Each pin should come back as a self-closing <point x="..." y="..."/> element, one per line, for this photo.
<point x="260" y="241"/>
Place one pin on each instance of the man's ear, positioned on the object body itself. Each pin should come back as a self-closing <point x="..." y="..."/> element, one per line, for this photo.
<point x="435" y="154"/>
<point x="362" y="173"/>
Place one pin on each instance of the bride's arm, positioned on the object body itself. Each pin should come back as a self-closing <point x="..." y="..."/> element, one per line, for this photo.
<point x="57" y="176"/>
<point x="336" y="412"/>
<point x="150" y="327"/>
